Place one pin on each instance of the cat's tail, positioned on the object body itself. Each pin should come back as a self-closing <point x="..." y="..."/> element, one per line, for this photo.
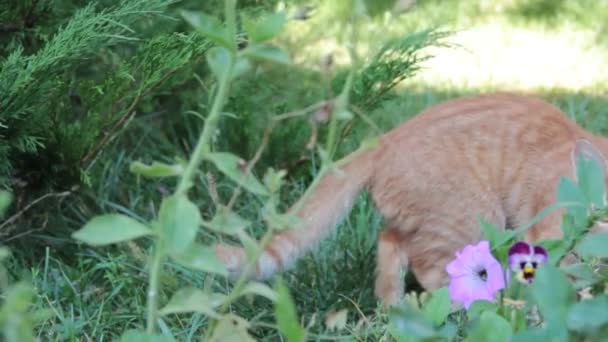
<point x="321" y="211"/>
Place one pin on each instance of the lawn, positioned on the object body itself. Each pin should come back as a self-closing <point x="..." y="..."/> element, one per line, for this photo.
<point x="556" y="50"/>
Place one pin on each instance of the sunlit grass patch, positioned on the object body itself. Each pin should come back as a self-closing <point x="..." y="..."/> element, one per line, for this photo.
<point x="497" y="56"/>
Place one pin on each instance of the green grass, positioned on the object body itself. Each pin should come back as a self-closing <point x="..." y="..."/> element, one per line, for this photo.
<point x="97" y="293"/>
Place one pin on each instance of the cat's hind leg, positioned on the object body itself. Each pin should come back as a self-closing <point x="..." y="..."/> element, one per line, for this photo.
<point x="392" y="263"/>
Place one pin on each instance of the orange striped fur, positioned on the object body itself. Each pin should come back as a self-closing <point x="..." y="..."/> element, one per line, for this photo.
<point x="499" y="156"/>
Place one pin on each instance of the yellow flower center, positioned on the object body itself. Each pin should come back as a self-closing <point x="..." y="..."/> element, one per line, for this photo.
<point x="528" y="272"/>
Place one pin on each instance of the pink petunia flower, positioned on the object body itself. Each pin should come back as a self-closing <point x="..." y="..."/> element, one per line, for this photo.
<point x="475" y="274"/>
<point x="524" y="259"/>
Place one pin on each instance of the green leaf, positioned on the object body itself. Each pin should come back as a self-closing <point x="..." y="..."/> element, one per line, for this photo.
<point x="518" y="318"/>
<point x="18" y="329"/>
<point x="191" y="299"/>
<point x="500" y="241"/>
<point x="110" y="228"/>
<point x="591" y="181"/>
<point x="140" y="336"/>
<point x="491" y="327"/>
<point x="593" y="245"/>
<point x="438" y="307"/>
<point x="285" y="312"/>
<point x="554" y="334"/>
<point x="241" y="67"/>
<point x="407" y="322"/>
<point x="5" y="200"/>
<point x="448" y="331"/>
<point x="219" y="60"/>
<point x="179" y="221"/>
<point x="266" y="28"/>
<point x="231" y="328"/>
<point x="324" y="156"/>
<point x="226" y="221"/>
<point x="266" y="52"/>
<point x="260" y="289"/>
<point x="553" y="294"/>
<point x="156" y="169"/>
<point x="583" y="275"/>
<point x="280" y="221"/>
<point x="589" y="315"/>
<point x="200" y="257"/>
<point x="16" y="322"/>
<point x="233" y="167"/>
<point x="496" y="237"/>
<point x="568" y="191"/>
<point x="274" y="179"/>
<point x="210" y="27"/>
<point x="569" y="229"/>
<point x="344" y="115"/>
<point x="369" y="143"/>
<point x="490" y="232"/>
<point x="18" y="298"/>
<point x="480" y="306"/>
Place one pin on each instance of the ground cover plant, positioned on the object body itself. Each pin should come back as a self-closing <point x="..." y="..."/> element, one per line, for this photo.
<point x="162" y="97"/>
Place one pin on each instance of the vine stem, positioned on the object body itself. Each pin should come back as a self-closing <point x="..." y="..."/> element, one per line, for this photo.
<point x="241" y="282"/>
<point x="201" y="149"/>
<point x="202" y="146"/>
<point x="155" y="270"/>
<point x="197" y="156"/>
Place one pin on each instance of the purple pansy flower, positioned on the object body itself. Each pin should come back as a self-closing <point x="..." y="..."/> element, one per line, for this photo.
<point x="475" y="274"/>
<point x="524" y="259"/>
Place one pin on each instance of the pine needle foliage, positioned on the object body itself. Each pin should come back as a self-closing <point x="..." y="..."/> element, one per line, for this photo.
<point x="68" y="83"/>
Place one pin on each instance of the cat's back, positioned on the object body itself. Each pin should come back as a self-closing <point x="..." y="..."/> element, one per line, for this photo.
<point x="491" y="112"/>
<point x="490" y="126"/>
<point x="501" y="147"/>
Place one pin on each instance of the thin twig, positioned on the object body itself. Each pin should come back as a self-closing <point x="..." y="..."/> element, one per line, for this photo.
<point x="13" y="218"/>
<point x="265" y="139"/>
<point x="27" y="232"/>
<point x="349" y="126"/>
<point x="252" y="162"/>
<point x="365" y="118"/>
<point x="300" y="112"/>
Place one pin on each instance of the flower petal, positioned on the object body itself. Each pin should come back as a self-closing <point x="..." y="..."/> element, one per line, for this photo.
<point x="540" y="254"/>
<point x="466" y="289"/>
<point x="476" y="255"/>
<point x="520" y="247"/>
<point x="496" y="279"/>
<point x="483" y="246"/>
<point x="457" y="269"/>
<point x="467" y="254"/>
<point x="515" y="261"/>
<point x="466" y="286"/>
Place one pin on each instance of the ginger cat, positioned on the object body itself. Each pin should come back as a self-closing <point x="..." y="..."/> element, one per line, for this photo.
<point x="499" y="156"/>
